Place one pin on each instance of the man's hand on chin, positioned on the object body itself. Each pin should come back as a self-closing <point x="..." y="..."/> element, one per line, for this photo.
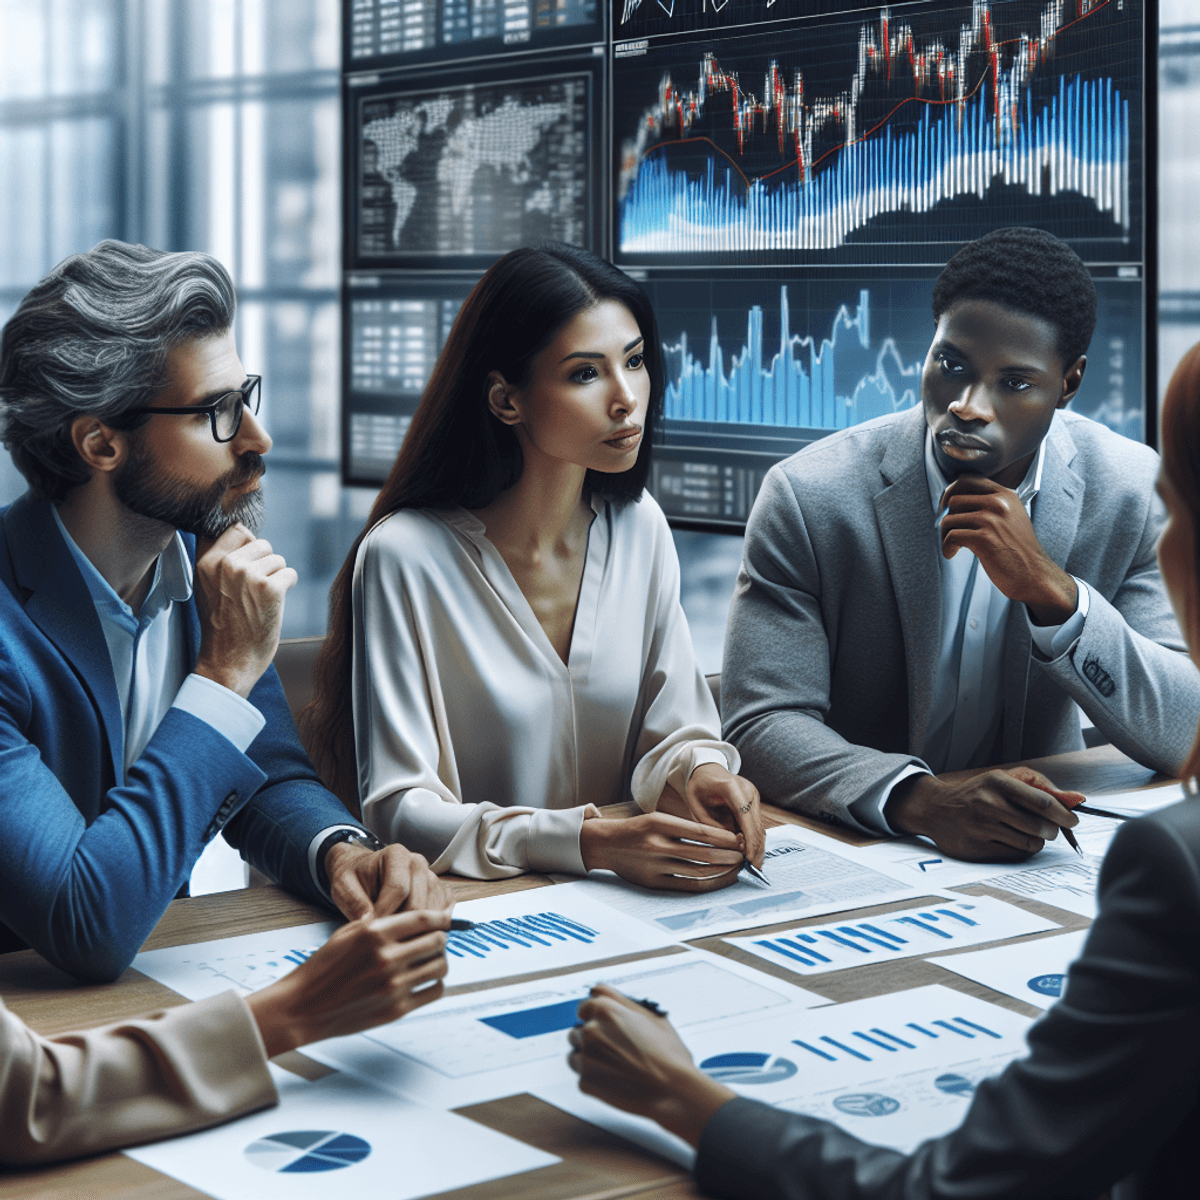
<point x="999" y="816"/>
<point x="366" y="883"/>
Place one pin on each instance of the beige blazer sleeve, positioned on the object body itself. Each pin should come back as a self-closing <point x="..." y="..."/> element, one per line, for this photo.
<point x="169" y="1073"/>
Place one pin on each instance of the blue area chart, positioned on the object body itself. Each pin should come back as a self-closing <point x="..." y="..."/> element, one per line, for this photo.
<point x="979" y="126"/>
<point x="832" y="383"/>
<point x="517" y="933"/>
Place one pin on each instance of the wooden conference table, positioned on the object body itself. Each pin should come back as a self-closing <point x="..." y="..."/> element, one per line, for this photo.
<point x="595" y="1165"/>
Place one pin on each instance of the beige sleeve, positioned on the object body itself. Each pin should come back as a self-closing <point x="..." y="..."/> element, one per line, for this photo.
<point x="169" y="1073"/>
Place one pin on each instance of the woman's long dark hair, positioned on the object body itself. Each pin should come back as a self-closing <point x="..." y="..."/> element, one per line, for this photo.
<point x="456" y="453"/>
<point x="1181" y="465"/>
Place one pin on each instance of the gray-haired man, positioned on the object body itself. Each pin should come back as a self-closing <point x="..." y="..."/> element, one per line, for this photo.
<point x="139" y="613"/>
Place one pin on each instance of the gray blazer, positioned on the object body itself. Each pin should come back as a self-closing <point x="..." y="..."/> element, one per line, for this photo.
<point x="834" y="628"/>
<point x="1107" y="1093"/>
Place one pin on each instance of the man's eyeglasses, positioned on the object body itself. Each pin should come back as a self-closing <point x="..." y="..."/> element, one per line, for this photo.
<point x="224" y="413"/>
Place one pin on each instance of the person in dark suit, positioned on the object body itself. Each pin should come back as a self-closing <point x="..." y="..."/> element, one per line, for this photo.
<point x="1108" y="1096"/>
<point x="140" y="714"/>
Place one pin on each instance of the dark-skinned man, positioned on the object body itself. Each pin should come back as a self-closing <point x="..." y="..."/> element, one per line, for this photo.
<point x="937" y="589"/>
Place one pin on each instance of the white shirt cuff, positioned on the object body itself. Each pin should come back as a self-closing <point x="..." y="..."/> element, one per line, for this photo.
<point x="689" y="756"/>
<point x="1055" y="640"/>
<point x="868" y="810"/>
<point x="225" y="711"/>
<point x="315" y="845"/>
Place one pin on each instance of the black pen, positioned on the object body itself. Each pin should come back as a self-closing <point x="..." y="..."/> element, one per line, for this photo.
<point x="1070" y="837"/>
<point x="460" y="925"/>
<point x="1101" y="812"/>
<point x="651" y="1007"/>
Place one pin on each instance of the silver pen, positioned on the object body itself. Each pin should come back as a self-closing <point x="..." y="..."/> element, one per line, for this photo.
<point x="755" y="873"/>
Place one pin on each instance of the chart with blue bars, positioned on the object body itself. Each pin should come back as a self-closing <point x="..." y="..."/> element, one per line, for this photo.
<point x="884" y="136"/>
<point x="904" y="933"/>
<point x="876" y="1043"/>
<point x="490" y="938"/>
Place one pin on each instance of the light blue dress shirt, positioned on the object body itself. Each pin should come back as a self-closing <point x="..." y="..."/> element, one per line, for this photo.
<point x="968" y="702"/>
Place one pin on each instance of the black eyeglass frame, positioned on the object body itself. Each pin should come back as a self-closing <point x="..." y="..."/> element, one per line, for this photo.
<point x="250" y="391"/>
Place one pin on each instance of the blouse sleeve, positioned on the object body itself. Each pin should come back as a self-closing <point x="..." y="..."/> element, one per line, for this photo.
<point x="170" y="1073"/>
<point x="680" y="726"/>
<point x="408" y="780"/>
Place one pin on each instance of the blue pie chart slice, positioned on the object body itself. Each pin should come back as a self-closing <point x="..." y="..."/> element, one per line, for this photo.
<point x="748" y="1067"/>
<point x="1047" y="985"/>
<point x="304" y="1151"/>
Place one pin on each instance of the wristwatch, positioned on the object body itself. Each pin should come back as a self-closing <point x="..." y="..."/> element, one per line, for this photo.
<point x="360" y="837"/>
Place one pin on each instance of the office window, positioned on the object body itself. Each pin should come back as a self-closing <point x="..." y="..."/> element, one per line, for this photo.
<point x="206" y="125"/>
<point x="1179" y="180"/>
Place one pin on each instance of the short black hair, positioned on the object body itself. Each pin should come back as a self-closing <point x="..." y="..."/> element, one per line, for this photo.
<point x="1030" y="271"/>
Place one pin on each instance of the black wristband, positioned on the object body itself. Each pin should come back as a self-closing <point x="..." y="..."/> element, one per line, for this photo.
<point x="361" y="837"/>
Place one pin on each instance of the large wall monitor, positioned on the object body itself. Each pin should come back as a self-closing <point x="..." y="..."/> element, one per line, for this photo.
<point x="786" y="179"/>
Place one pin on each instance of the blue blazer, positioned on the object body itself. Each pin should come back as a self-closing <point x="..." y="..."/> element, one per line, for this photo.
<point x="90" y="859"/>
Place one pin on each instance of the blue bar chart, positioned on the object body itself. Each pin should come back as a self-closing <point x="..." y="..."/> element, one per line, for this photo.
<point x="517" y="933"/>
<point x="906" y="933"/>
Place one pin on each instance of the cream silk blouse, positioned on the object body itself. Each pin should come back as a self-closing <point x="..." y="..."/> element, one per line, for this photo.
<point x="477" y="747"/>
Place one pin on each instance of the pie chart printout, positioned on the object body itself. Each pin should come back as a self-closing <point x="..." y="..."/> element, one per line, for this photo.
<point x="307" y="1151"/>
<point x="748" y="1068"/>
<point x="1047" y="985"/>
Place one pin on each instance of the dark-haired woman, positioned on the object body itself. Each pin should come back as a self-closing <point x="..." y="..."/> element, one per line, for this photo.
<point x="518" y="652"/>
<point x="1109" y="1096"/>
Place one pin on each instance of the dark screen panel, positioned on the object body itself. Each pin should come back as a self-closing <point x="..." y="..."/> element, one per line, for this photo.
<point x="395" y="33"/>
<point x="449" y="173"/>
<point x="882" y="137"/>
<point x="758" y="367"/>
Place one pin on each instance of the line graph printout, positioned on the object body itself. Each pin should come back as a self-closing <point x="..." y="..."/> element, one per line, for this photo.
<point x="806" y="878"/>
<point x="243" y="964"/>
<point x="480" y="1046"/>
<point x="884" y="136"/>
<point x="893" y="1069"/>
<point x="816" y="949"/>
<point x="1033" y="971"/>
<point x="468" y="171"/>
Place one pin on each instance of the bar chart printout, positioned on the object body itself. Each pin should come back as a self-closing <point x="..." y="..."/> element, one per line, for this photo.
<point x="893" y="131"/>
<point x="468" y="1048"/>
<point x="893" y="1070"/>
<point x="941" y="925"/>
<point x="244" y="963"/>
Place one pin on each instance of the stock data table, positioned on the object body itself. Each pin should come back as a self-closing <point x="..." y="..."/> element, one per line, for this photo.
<point x="595" y="1163"/>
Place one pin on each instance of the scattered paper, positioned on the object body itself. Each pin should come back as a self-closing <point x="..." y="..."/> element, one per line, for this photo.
<point x="1144" y="800"/>
<point x="809" y="874"/>
<point x="340" y="1136"/>
<point x="243" y="964"/>
<point x="516" y="933"/>
<point x="905" y="933"/>
<point x="893" y="1070"/>
<point x="483" y="1045"/>
<point x="1032" y="971"/>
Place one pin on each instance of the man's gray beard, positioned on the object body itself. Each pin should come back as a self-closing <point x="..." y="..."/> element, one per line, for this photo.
<point x="143" y="488"/>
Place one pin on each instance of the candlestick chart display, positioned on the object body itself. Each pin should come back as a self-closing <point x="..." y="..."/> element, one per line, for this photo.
<point x="882" y="136"/>
<point x="456" y="169"/>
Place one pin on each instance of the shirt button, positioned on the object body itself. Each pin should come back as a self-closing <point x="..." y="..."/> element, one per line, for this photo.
<point x="974" y="623"/>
